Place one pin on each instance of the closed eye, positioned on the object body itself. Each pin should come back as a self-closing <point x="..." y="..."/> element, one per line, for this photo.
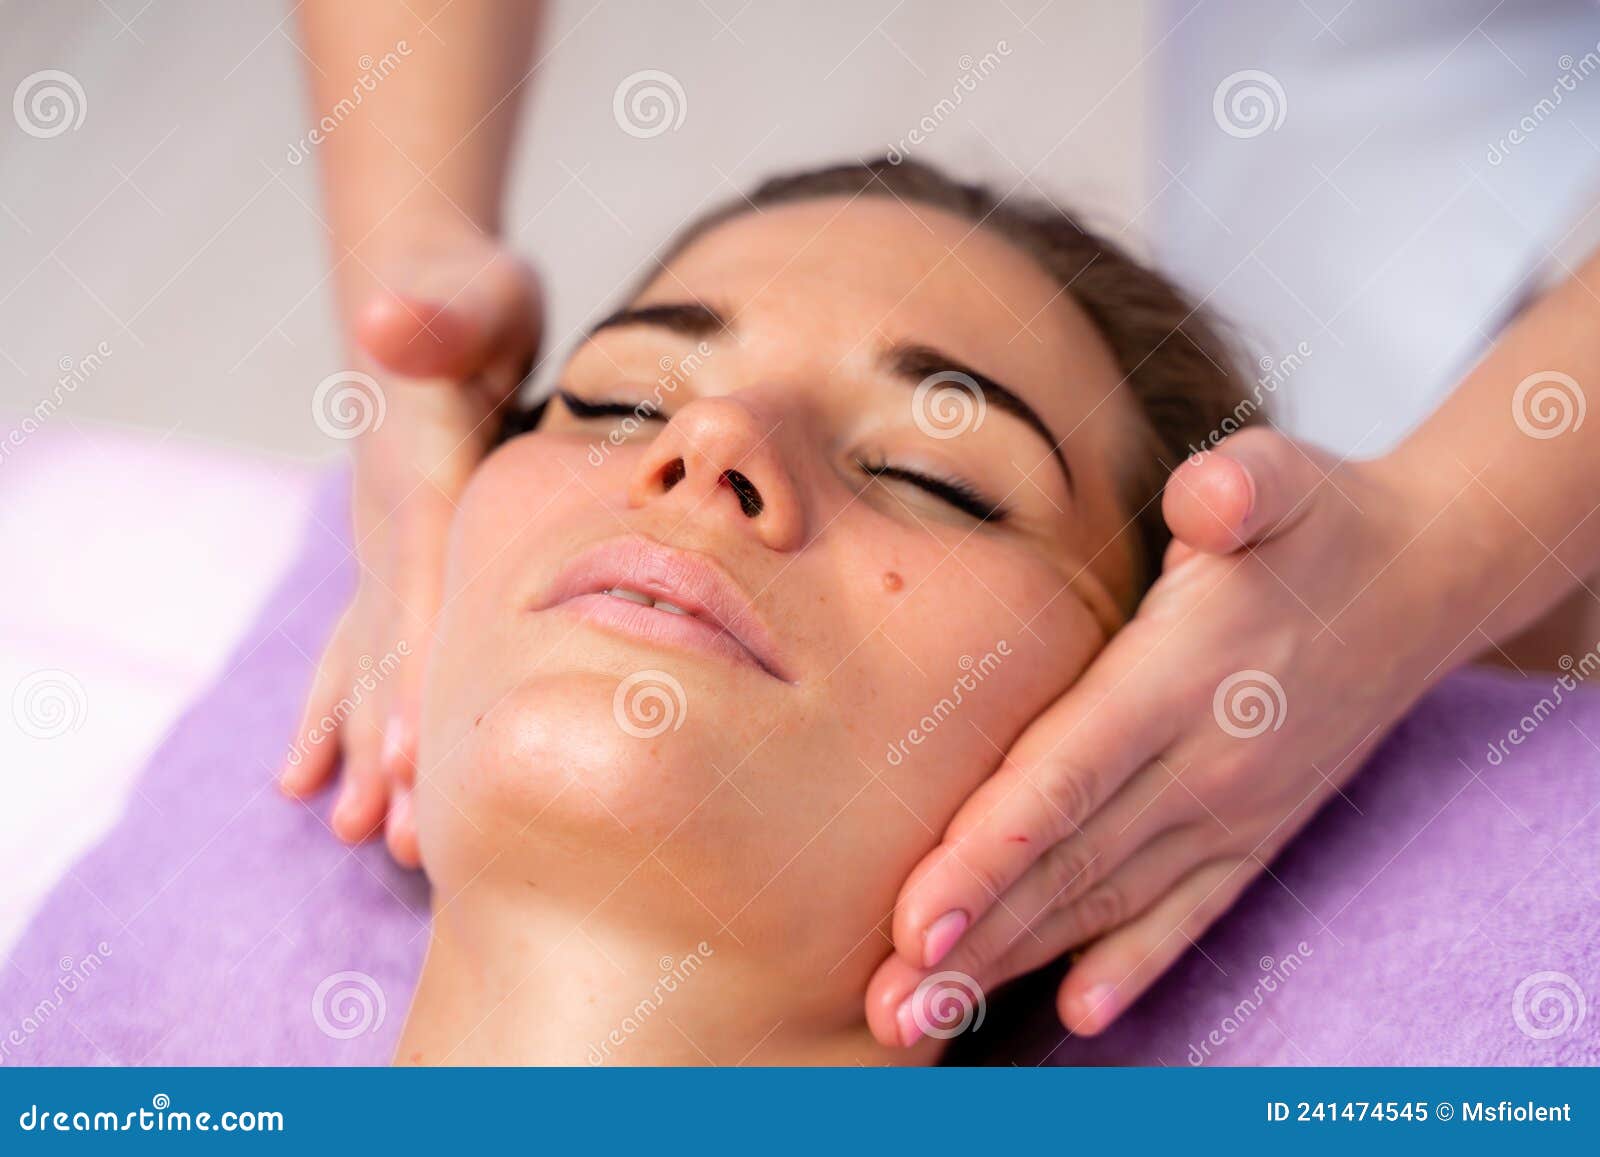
<point x="645" y="410"/>
<point x="960" y="495"/>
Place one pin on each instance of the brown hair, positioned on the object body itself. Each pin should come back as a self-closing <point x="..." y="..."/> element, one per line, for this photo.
<point x="1173" y="356"/>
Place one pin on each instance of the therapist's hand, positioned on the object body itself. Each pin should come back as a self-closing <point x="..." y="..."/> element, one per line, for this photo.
<point x="448" y="329"/>
<point x="1303" y="607"/>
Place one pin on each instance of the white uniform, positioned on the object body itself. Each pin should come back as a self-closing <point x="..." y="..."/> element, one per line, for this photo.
<point x="1370" y="190"/>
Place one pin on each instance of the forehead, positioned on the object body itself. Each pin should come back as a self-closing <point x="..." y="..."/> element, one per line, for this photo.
<point x="850" y="275"/>
<point x="876" y="264"/>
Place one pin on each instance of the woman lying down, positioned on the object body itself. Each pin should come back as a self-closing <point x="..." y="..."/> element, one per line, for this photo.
<point x="850" y="490"/>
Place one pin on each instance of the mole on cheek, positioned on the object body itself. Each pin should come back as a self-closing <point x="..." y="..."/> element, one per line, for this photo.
<point x="892" y="581"/>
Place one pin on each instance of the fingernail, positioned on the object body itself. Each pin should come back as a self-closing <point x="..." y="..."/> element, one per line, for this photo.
<point x="1097" y="1007"/>
<point x="906" y="1019"/>
<point x="343" y="809"/>
<point x="400" y="808"/>
<point x="394" y="741"/>
<point x="941" y="936"/>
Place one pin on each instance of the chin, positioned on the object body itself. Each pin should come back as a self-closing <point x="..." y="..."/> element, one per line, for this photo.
<point x="570" y="764"/>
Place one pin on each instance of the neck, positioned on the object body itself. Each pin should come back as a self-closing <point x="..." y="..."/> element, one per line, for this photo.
<point x="511" y="980"/>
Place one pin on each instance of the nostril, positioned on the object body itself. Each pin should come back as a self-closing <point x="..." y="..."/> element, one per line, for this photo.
<point x="750" y="500"/>
<point x="672" y="473"/>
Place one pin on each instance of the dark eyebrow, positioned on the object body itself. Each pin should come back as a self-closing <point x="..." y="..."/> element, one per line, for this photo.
<point x="915" y="363"/>
<point x="692" y="319"/>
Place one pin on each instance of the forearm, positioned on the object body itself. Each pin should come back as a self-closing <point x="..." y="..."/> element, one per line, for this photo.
<point x="421" y="102"/>
<point x="1510" y="514"/>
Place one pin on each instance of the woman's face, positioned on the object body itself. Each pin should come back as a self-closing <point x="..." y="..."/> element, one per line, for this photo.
<point x="872" y="451"/>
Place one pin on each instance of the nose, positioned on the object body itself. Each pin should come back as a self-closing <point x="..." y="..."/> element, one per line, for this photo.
<point x="719" y="458"/>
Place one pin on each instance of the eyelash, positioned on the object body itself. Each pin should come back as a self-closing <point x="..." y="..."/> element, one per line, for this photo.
<point x="961" y="495"/>
<point x="956" y="493"/>
<point x="583" y="408"/>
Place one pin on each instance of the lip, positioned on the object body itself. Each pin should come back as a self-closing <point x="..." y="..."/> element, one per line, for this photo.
<point x="721" y="621"/>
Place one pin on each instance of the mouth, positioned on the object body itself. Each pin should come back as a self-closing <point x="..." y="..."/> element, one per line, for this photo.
<point x="674" y="598"/>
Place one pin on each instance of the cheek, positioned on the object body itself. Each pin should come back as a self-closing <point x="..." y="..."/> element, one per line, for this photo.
<point x="950" y="655"/>
<point x="526" y="492"/>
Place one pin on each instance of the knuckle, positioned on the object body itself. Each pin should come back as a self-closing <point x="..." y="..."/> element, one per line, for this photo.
<point x="1223" y="777"/>
<point x="1070" y="791"/>
<point x="983" y="873"/>
<point x="1068" y="866"/>
<point x="980" y="949"/>
<point x="962" y="827"/>
<point x="1103" y="906"/>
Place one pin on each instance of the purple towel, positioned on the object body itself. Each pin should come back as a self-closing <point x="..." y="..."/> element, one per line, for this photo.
<point x="1446" y="912"/>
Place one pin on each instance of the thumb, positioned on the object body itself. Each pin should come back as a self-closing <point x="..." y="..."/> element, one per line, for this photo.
<point x="455" y="321"/>
<point x="1254" y="485"/>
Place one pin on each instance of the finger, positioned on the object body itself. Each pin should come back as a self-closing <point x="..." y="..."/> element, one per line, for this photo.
<point x="1010" y="941"/>
<point x="400" y="831"/>
<point x="1146" y="876"/>
<point x="1059" y="772"/>
<point x="458" y="330"/>
<point x="1115" y="970"/>
<point x="1253" y="485"/>
<point x="397" y="759"/>
<point x="895" y="979"/>
<point x="315" y="751"/>
<point x="418" y="559"/>
<point x="365" y="796"/>
<point x="1147" y="806"/>
<point x="401" y="706"/>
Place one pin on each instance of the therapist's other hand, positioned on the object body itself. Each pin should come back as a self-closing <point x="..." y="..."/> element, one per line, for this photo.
<point x="1297" y="617"/>
<point x="448" y="330"/>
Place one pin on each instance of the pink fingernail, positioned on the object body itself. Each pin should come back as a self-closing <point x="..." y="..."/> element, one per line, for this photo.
<point x="906" y="1019"/>
<point x="1098" y="1006"/>
<point x="395" y="739"/>
<point x="941" y="936"/>
<point x="343" y="809"/>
